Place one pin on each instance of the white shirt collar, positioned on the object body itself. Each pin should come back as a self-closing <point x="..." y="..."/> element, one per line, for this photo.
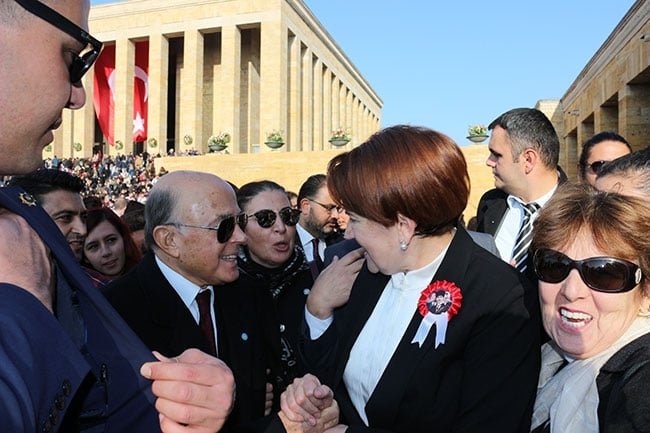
<point x="186" y="289"/>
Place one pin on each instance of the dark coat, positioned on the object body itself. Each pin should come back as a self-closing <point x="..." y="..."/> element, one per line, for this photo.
<point x="281" y="319"/>
<point x="491" y="209"/>
<point x="623" y="381"/>
<point x="77" y="371"/>
<point x="153" y="309"/>
<point x="483" y="378"/>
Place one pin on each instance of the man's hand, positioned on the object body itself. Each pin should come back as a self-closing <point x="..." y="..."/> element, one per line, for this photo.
<point x="195" y="391"/>
<point x="332" y="287"/>
<point x="306" y="399"/>
<point x="24" y="259"/>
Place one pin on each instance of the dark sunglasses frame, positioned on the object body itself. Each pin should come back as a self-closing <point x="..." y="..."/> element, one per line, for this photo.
<point x="595" y="272"/>
<point x="267" y="217"/>
<point x="80" y="63"/>
<point x="596" y="166"/>
<point x="224" y="229"/>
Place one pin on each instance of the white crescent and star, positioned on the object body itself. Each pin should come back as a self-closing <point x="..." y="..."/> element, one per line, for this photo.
<point x="139" y="73"/>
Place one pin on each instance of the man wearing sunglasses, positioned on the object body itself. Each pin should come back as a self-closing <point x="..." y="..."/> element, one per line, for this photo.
<point x="67" y="360"/>
<point x="316" y="228"/>
<point x="193" y="230"/>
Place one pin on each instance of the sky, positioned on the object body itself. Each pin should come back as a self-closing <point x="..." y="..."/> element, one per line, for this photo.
<point x="449" y="64"/>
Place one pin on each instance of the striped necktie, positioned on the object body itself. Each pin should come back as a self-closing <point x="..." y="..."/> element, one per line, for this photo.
<point x="524" y="237"/>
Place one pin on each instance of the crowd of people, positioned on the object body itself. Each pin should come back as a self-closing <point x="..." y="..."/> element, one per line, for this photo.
<point x="366" y="305"/>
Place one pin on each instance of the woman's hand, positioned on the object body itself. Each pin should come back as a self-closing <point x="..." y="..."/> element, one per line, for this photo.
<point x="332" y="287"/>
<point x="306" y="401"/>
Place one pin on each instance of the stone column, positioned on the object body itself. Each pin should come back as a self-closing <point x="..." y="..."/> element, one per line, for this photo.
<point x="83" y="120"/>
<point x="295" y="88"/>
<point x="336" y="102"/>
<point x="229" y="84"/>
<point x="317" y="137"/>
<point x="158" y="86"/>
<point x="606" y="119"/>
<point x="327" y="106"/>
<point x="307" y="113"/>
<point x="273" y="86"/>
<point x="191" y="91"/>
<point x="634" y="114"/>
<point x="124" y="73"/>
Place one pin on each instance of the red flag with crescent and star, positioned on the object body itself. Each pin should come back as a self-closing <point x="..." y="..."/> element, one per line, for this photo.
<point x="104" y="91"/>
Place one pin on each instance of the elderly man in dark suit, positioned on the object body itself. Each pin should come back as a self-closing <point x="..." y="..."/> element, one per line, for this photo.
<point x="194" y="230"/>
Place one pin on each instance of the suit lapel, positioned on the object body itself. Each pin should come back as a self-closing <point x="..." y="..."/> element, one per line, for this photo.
<point x="366" y="291"/>
<point x="169" y="315"/>
<point x="384" y="403"/>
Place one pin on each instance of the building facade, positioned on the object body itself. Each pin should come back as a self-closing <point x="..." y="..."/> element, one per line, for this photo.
<point x="245" y="67"/>
<point x="611" y="93"/>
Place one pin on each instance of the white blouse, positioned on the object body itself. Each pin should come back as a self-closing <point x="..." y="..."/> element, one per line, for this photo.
<point x="383" y="331"/>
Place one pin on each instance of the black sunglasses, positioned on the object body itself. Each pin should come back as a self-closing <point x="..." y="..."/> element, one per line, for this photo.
<point x="602" y="274"/>
<point x="81" y="63"/>
<point x="266" y="217"/>
<point x="596" y="166"/>
<point x="224" y="229"/>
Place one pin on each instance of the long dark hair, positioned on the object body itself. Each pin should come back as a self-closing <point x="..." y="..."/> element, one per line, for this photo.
<point x="131" y="250"/>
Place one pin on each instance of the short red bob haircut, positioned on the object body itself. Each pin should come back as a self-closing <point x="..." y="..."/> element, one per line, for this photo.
<point x="414" y="171"/>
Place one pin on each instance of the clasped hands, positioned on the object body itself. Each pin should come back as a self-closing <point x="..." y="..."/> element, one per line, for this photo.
<point x="309" y="406"/>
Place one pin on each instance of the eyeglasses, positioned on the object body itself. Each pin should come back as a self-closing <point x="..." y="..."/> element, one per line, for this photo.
<point x="602" y="274"/>
<point x="596" y="166"/>
<point x="267" y="217"/>
<point x="80" y="63"/>
<point x="224" y="229"/>
<point x="328" y="207"/>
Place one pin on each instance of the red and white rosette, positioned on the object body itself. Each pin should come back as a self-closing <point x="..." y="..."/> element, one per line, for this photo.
<point x="438" y="303"/>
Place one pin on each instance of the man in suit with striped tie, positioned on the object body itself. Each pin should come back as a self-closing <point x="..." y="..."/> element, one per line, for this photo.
<point x="524" y="152"/>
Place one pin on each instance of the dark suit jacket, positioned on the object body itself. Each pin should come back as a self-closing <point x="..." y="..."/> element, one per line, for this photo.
<point x="623" y="382"/>
<point x="77" y="371"/>
<point x="153" y="309"/>
<point x="491" y="209"/>
<point x="493" y="205"/>
<point x="483" y="378"/>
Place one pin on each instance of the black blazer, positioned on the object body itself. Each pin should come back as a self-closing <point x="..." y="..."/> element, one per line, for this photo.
<point x="153" y="309"/>
<point x="490" y="212"/>
<point x="483" y="378"/>
<point x="623" y="382"/>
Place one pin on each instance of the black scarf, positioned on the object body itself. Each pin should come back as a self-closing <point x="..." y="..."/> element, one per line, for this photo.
<point x="276" y="279"/>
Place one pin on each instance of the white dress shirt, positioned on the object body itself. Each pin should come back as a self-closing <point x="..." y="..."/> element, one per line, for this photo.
<point x="307" y="246"/>
<point x="506" y="235"/>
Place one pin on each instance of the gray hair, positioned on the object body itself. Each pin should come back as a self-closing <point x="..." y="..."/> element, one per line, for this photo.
<point x="159" y="210"/>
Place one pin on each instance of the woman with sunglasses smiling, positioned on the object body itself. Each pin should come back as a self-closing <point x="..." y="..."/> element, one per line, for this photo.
<point x="273" y="270"/>
<point x="592" y="258"/>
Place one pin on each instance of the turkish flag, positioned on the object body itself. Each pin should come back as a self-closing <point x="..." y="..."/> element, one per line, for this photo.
<point x="141" y="91"/>
<point x="104" y="91"/>
<point x="103" y="85"/>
